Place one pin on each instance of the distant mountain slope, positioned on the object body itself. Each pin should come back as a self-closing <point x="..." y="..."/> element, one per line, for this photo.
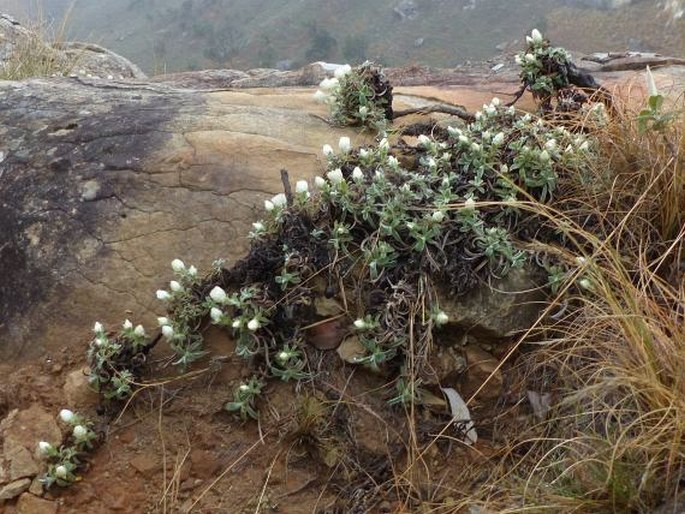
<point x="173" y="35"/>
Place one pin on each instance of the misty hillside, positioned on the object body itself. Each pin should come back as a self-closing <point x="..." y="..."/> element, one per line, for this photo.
<point x="172" y="35"/>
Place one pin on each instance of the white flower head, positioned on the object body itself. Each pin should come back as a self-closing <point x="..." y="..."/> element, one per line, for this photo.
<point x="327" y="150"/>
<point x="216" y="314"/>
<point x="359" y="324"/>
<point x="80" y="432"/>
<point x="44" y="447"/>
<point x="498" y="139"/>
<point x="163" y="320"/>
<point x="384" y="145"/>
<point x="258" y="226"/>
<point x="518" y="60"/>
<point x="424" y="140"/>
<point x="319" y="182"/>
<point x="301" y="186"/>
<point x="536" y="36"/>
<point x="363" y="153"/>
<point x="139" y="331"/>
<point x="66" y="415"/>
<point x="393" y="162"/>
<point x="341" y="71"/>
<point x="175" y="286"/>
<point x="363" y="111"/>
<point x="441" y="318"/>
<point x="320" y="96"/>
<point x="438" y="216"/>
<point x="61" y="471"/>
<point x="237" y="323"/>
<point x="163" y="295"/>
<point x="279" y="200"/>
<point x="495" y="102"/>
<point x="244" y="387"/>
<point x="530" y="58"/>
<point x="192" y="271"/>
<point x="168" y="331"/>
<point x="98" y="328"/>
<point x="283" y="356"/>
<point x="651" y="84"/>
<point x="357" y="174"/>
<point x="218" y="295"/>
<point x="328" y="84"/>
<point x="254" y="324"/>
<point x="269" y="206"/>
<point x="335" y="176"/>
<point x="178" y="265"/>
<point x="127" y="325"/>
<point x="345" y="144"/>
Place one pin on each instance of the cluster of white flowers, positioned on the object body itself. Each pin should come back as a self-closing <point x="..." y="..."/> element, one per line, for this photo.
<point x="276" y="203"/>
<point x="329" y="85"/>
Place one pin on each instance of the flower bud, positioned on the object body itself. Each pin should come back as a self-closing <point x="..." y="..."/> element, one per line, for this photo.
<point x="127" y="325"/>
<point x="175" y="286"/>
<point x="279" y="200"/>
<point x="178" y="265"/>
<point x="139" y="331"/>
<point x="441" y="318"/>
<point x="254" y="324"/>
<point x="218" y="295"/>
<point x="163" y="320"/>
<point x="357" y="174"/>
<point x="335" y="176"/>
<point x="66" y="415"/>
<point x="345" y="144"/>
<point x="98" y="328"/>
<point x="192" y="271"/>
<point x="163" y="295"/>
<point x="168" y="331"/>
<point x="327" y="150"/>
<point x="359" y="324"/>
<point x="268" y="206"/>
<point x="80" y="432"/>
<point x="216" y="314"/>
<point x="44" y="448"/>
<point x="61" y="472"/>
<point x="536" y="36"/>
<point x="301" y="186"/>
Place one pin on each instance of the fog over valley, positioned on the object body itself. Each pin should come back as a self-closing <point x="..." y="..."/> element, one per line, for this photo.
<point x="173" y="35"/>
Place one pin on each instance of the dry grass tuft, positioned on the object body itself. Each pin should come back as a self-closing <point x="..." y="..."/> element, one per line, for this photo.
<point x="614" y="440"/>
<point x="36" y="53"/>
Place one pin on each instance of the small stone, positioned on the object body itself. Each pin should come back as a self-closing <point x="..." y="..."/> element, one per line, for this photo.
<point x="14" y="489"/>
<point x="146" y="465"/>
<point x="204" y="464"/>
<point x="77" y="390"/>
<point x="36" y="488"/>
<point x="30" y="504"/>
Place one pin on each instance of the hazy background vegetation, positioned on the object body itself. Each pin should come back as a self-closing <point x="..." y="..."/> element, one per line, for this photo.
<point x="173" y="35"/>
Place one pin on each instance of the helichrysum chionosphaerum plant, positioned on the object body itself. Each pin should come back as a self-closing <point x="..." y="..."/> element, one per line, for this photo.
<point x="359" y="96"/>
<point x="65" y="461"/>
